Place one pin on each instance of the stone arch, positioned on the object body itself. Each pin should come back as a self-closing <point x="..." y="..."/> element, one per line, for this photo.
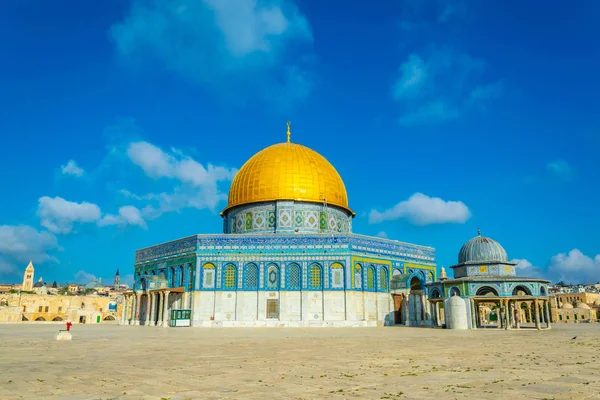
<point x="40" y="319"/>
<point x="416" y="284"/>
<point x="454" y="291"/>
<point x="521" y="290"/>
<point x="272" y="277"/>
<point x="486" y="291"/>
<point x="434" y="294"/>
<point x="430" y="276"/>
<point x="181" y="275"/>
<point x="57" y="319"/>
<point x="143" y="283"/>
<point x="250" y="276"/>
<point x="315" y="276"/>
<point x="294" y="276"/>
<point x="109" y="318"/>
<point x="542" y="290"/>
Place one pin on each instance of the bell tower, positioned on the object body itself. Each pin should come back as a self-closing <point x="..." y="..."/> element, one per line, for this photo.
<point x="28" y="278"/>
<point x="117" y="280"/>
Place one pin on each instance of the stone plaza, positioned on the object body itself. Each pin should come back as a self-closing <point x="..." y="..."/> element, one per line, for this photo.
<point x="138" y="362"/>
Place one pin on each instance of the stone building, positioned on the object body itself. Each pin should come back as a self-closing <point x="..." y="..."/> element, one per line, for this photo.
<point x="486" y="292"/>
<point x="575" y="307"/>
<point x="287" y="257"/>
<point x="27" y="307"/>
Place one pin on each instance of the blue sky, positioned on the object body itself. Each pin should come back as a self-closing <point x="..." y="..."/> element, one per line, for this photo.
<point x="123" y="123"/>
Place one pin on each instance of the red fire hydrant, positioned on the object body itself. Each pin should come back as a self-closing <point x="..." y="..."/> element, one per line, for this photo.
<point x="69" y="323"/>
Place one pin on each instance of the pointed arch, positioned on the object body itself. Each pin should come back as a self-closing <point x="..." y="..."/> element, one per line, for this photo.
<point x="384" y="280"/>
<point x="251" y="277"/>
<point x="370" y="277"/>
<point x="294" y="276"/>
<point x="337" y="276"/>
<point x="230" y="277"/>
<point x="315" y="277"/>
<point x="272" y="277"/>
<point x="208" y="276"/>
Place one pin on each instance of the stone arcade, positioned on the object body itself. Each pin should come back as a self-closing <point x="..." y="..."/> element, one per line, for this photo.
<point x="287" y="257"/>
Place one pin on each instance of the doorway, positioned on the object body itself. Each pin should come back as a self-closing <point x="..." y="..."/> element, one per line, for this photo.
<point x="272" y="308"/>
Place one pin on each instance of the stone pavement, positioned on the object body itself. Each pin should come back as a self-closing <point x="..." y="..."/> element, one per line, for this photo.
<point x="129" y="362"/>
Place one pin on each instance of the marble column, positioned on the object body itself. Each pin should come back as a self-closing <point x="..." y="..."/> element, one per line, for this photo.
<point x="473" y="316"/>
<point x="152" y="314"/>
<point x="506" y="315"/>
<point x="137" y="309"/>
<point x="160" y="305"/>
<point x="124" y="309"/>
<point x="132" y="311"/>
<point x="518" y="315"/>
<point x="406" y="306"/>
<point x="438" y="314"/>
<point x="148" y="305"/>
<point x="547" y="314"/>
<point x="537" y="314"/>
<point x="166" y="310"/>
<point x="500" y="315"/>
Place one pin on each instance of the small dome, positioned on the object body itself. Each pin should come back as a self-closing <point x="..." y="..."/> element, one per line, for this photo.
<point x="567" y="305"/>
<point x="582" y="305"/>
<point x="482" y="249"/>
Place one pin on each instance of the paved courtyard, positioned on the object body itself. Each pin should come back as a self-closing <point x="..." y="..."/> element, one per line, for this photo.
<point x="110" y="361"/>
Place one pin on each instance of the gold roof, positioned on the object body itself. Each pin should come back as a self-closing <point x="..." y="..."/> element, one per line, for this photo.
<point x="288" y="171"/>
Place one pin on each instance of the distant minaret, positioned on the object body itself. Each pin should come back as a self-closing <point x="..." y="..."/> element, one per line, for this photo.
<point x="117" y="280"/>
<point x="28" y="278"/>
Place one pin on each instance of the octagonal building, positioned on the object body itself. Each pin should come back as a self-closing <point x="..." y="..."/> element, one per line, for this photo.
<point x="287" y="257"/>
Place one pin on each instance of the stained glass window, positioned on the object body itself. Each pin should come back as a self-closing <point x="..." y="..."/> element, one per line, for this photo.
<point x="370" y="278"/>
<point x="315" y="276"/>
<point x="230" y="277"/>
<point x="294" y="277"/>
<point x="251" y="277"/>
<point x="383" y="278"/>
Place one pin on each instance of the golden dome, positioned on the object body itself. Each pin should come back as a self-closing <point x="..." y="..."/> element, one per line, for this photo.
<point x="288" y="171"/>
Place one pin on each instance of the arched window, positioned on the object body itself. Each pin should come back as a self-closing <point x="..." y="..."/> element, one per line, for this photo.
<point x="173" y="277"/>
<point x="251" y="277"/>
<point x="273" y="277"/>
<point x="358" y="276"/>
<point x="293" y="276"/>
<point x="383" y="279"/>
<point x="230" y="277"/>
<point x="181" y="276"/>
<point x="208" y="276"/>
<point x="337" y="275"/>
<point x="371" y="278"/>
<point x="315" y="276"/>
<point x="191" y="276"/>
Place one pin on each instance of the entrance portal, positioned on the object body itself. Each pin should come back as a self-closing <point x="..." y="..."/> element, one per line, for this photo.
<point x="273" y="309"/>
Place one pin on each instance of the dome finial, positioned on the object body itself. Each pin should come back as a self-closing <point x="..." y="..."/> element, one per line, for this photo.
<point x="289" y="123"/>
<point x="479" y="231"/>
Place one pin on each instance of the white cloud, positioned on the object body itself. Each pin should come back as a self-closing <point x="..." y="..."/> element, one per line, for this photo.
<point x="382" y="234"/>
<point x="197" y="186"/>
<point x="218" y="43"/>
<point x="20" y="244"/>
<point x="83" y="277"/>
<point x="526" y="269"/>
<point x="561" y="169"/>
<point x="421" y="209"/>
<point x="413" y="75"/>
<point x="575" y="267"/>
<point x="128" y="215"/>
<point x="60" y="216"/>
<point x="440" y="85"/>
<point x="71" y="168"/>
